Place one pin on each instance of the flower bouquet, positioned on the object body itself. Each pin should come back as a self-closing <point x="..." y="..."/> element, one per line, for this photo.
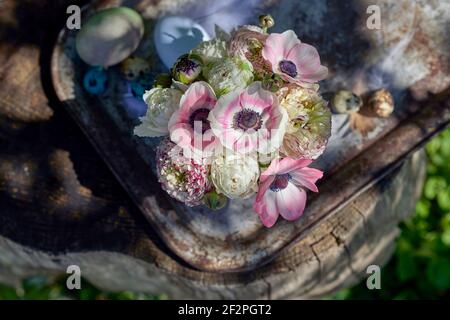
<point x="241" y="116"/>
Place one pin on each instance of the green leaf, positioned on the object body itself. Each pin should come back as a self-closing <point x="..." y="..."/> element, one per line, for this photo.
<point x="433" y="186"/>
<point x="423" y="208"/>
<point x="406" y="266"/>
<point x="214" y="200"/>
<point x="443" y="199"/>
<point x="445" y="238"/>
<point x="438" y="273"/>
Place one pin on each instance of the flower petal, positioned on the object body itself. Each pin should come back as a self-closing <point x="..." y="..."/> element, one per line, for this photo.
<point x="286" y="40"/>
<point x="305" y="57"/>
<point x="307" y="61"/>
<point x="278" y="46"/>
<point x="265" y="183"/>
<point x="256" y="98"/>
<point x="181" y="134"/>
<point x="246" y="143"/>
<point x="306" y="177"/>
<point x="285" y="165"/>
<point x="267" y="209"/>
<point x="320" y="74"/>
<point x="271" y="55"/>
<point x="227" y="137"/>
<point x="273" y="51"/>
<point x="199" y="94"/>
<point x="291" y="202"/>
<point x="222" y="114"/>
<point x="275" y="123"/>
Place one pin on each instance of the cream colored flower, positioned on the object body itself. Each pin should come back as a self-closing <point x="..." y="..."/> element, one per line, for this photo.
<point x="309" y="126"/>
<point x="235" y="175"/>
<point x="162" y="103"/>
<point x="228" y="75"/>
<point x="211" y="51"/>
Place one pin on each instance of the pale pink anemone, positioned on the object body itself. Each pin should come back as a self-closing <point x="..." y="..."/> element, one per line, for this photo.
<point x="189" y="126"/>
<point x="282" y="189"/>
<point x="249" y="120"/>
<point x="292" y="60"/>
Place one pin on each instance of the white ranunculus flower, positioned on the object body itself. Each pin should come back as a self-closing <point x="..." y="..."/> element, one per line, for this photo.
<point x="228" y="75"/>
<point x="235" y="175"/>
<point x="162" y="103"/>
<point x="211" y="51"/>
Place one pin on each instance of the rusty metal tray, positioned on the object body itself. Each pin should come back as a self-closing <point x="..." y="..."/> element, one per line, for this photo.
<point x="408" y="55"/>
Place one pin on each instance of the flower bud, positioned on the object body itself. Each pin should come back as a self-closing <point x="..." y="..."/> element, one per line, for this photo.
<point x="215" y="201"/>
<point x="186" y="69"/>
<point x="266" y="21"/>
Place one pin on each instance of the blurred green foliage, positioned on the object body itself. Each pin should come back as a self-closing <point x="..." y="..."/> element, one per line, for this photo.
<point x="420" y="268"/>
<point x="41" y="288"/>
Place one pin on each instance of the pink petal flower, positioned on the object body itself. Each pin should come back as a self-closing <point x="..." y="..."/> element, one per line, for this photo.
<point x="285" y="165"/>
<point x="267" y="209"/>
<point x="307" y="177"/>
<point x="291" y="202"/>
<point x="292" y="60"/>
<point x="189" y="126"/>
<point x="282" y="190"/>
<point x="249" y="120"/>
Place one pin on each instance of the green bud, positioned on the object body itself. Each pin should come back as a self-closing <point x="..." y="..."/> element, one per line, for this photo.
<point x="186" y="69"/>
<point x="266" y="21"/>
<point x="214" y="200"/>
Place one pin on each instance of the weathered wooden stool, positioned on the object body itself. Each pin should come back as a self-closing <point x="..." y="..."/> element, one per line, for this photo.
<point x="60" y="206"/>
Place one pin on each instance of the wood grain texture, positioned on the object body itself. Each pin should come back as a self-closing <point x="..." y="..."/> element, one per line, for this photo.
<point x="334" y="255"/>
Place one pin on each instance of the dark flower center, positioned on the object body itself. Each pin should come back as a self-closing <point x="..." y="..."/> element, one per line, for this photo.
<point x="289" y="68"/>
<point x="247" y="119"/>
<point x="281" y="182"/>
<point x="200" y="116"/>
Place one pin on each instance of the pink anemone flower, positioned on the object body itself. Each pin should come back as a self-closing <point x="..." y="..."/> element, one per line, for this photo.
<point x="282" y="189"/>
<point x="292" y="60"/>
<point x="189" y="126"/>
<point x="249" y="120"/>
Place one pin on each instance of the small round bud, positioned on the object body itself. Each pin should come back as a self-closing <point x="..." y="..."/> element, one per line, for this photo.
<point x="186" y="69"/>
<point x="266" y="21"/>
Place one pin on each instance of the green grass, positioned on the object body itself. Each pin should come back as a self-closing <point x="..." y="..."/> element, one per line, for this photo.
<point x="420" y="268"/>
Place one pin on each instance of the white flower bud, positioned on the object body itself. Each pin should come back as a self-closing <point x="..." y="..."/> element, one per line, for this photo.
<point x="235" y="175"/>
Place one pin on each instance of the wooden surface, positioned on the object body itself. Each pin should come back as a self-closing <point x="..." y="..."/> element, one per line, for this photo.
<point x="332" y="256"/>
<point x="234" y="239"/>
<point x="60" y="204"/>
